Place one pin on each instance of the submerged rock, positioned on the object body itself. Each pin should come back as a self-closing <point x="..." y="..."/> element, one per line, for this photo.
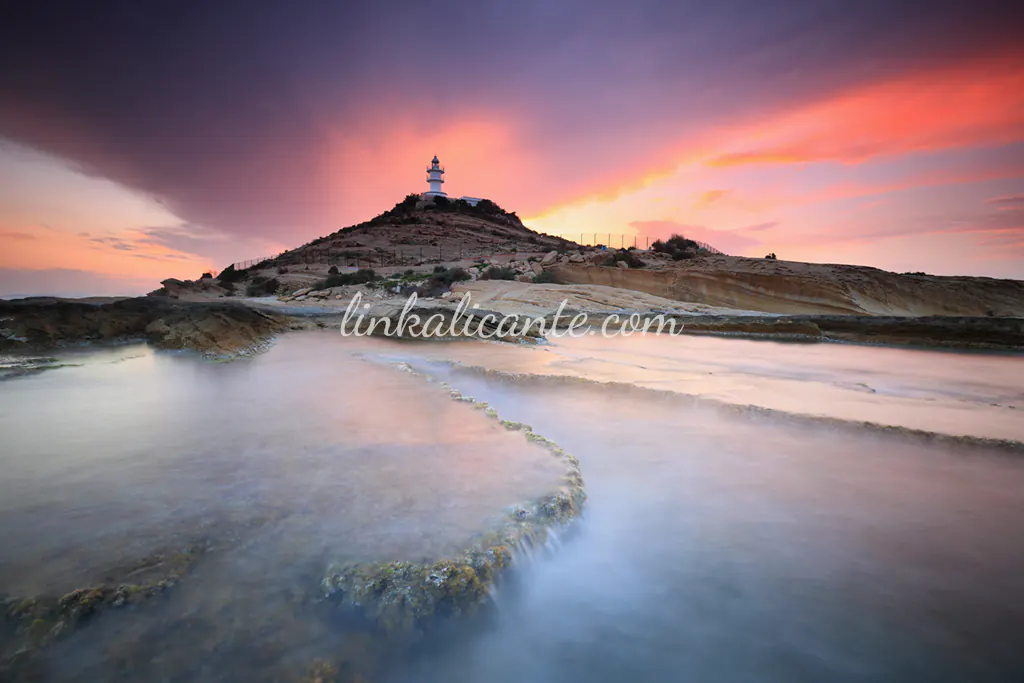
<point x="403" y="598"/>
<point x="33" y="623"/>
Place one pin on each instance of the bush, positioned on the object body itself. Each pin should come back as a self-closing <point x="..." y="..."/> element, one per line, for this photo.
<point x="545" y="277"/>
<point x="229" y="275"/>
<point x="262" y="286"/>
<point x="441" y="281"/>
<point x="363" y="276"/>
<point x="771" y="256"/>
<point x="333" y="270"/>
<point x="676" y="246"/>
<point x="498" y="273"/>
<point x="626" y="256"/>
<point x="206" y="276"/>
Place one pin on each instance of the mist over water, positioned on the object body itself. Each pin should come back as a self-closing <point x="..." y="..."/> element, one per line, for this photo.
<point x="720" y="547"/>
<point x="717" y="544"/>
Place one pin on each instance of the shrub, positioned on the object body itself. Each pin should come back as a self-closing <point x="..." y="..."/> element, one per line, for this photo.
<point x="441" y="281"/>
<point x="545" y="277"/>
<point x="333" y="270"/>
<point x="206" y="276"/>
<point x="771" y="256"/>
<point x="626" y="256"/>
<point x="229" y="275"/>
<point x="262" y="286"/>
<point x="498" y="273"/>
<point x="363" y="276"/>
<point x="676" y="246"/>
<point x="440" y="269"/>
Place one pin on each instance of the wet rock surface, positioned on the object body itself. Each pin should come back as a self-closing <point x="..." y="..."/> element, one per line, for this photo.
<point x="215" y="329"/>
<point x="941" y="331"/>
<point x="403" y="599"/>
<point x="30" y="624"/>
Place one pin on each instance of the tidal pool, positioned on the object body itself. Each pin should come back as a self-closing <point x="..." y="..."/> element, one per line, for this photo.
<point x="281" y="464"/>
<point x="719" y="543"/>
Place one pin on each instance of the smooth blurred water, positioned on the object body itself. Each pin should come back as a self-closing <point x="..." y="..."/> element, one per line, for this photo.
<point x="285" y="463"/>
<point x="717" y="545"/>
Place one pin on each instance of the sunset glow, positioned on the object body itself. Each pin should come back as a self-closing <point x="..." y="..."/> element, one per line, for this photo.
<point x="901" y="160"/>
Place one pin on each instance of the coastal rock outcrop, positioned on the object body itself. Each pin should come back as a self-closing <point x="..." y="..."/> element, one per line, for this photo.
<point x="788" y="287"/>
<point x="216" y="329"/>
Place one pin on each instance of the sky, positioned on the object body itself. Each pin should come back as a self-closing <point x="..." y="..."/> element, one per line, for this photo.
<point x="146" y="140"/>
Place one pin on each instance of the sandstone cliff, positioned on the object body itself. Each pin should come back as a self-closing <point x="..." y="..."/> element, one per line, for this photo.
<point x="795" y="288"/>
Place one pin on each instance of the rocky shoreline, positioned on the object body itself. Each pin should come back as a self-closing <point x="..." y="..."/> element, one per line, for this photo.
<point x="997" y="334"/>
<point x="217" y="330"/>
<point x="226" y="330"/>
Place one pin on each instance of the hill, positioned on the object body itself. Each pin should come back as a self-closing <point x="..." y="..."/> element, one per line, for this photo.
<point x="420" y="231"/>
<point x="408" y="244"/>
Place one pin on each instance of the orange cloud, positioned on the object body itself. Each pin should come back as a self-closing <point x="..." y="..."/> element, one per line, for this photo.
<point x="976" y="103"/>
<point x="708" y="198"/>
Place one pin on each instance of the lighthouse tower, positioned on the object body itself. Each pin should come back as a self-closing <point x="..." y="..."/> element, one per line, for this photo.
<point x="434" y="179"/>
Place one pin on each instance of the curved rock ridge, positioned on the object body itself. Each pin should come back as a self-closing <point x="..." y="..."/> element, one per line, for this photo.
<point x="33" y="623"/>
<point x="402" y="598"/>
<point x="746" y="410"/>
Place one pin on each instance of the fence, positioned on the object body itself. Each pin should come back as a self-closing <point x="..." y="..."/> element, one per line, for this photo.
<point x="412" y="254"/>
<point x="622" y="241"/>
<point x="242" y="265"/>
<point x="398" y="255"/>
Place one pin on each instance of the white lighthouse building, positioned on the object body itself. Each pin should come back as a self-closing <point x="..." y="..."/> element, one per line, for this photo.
<point x="434" y="179"/>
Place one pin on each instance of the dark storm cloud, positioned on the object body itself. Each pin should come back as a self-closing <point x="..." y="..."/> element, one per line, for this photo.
<point x="222" y="109"/>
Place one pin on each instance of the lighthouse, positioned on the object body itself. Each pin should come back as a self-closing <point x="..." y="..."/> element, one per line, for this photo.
<point x="434" y="179"/>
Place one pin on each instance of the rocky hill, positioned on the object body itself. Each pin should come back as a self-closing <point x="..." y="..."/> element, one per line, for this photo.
<point x="429" y="244"/>
<point x="420" y="231"/>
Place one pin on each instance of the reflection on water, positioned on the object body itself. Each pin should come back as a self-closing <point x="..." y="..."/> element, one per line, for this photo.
<point x="289" y="461"/>
<point x="963" y="393"/>
<point x="716" y="545"/>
